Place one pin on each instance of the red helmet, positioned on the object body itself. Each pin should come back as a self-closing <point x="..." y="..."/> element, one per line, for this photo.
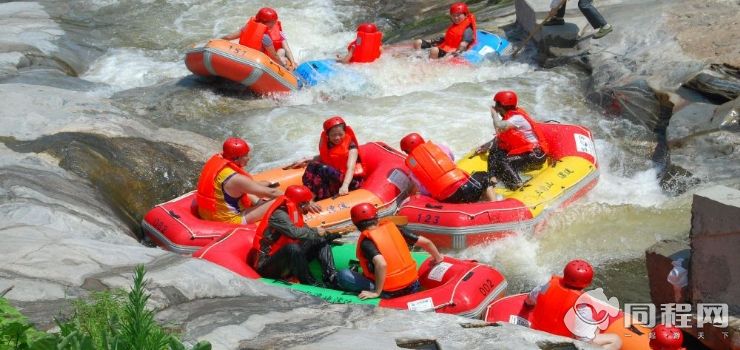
<point x="367" y="28"/>
<point x="506" y="98"/>
<point x="298" y="194"/>
<point x="234" y="148"/>
<point x="410" y="141"/>
<point x="362" y="212"/>
<point x="459" y="7"/>
<point x="664" y="337"/>
<point x="332" y="122"/>
<point x="266" y="14"/>
<point x="578" y="274"/>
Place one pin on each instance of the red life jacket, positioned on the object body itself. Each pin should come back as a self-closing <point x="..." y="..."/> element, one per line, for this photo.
<point x="253" y="32"/>
<point x="296" y="217"/>
<point x="513" y="140"/>
<point x="455" y="33"/>
<point x="552" y="305"/>
<point x="401" y="270"/>
<point x="337" y="155"/>
<point x="205" y="195"/>
<point x="366" y="47"/>
<point x="435" y="170"/>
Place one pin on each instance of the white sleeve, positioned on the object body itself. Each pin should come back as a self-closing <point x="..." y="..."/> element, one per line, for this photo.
<point x="519" y="122"/>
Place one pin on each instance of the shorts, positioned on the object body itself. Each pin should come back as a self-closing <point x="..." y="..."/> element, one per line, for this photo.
<point x="471" y="191"/>
<point x="426" y="44"/>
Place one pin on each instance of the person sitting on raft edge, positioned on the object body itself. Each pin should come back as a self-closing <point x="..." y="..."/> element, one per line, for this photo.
<point x="383" y="249"/>
<point x="433" y="169"/>
<point x="227" y="193"/>
<point x="366" y="47"/>
<point x="264" y="33"/>
<point x="327" y="175"/>
<point x="460" y="35"/>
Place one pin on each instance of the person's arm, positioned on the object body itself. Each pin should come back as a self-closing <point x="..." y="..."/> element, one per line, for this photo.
<point x="346" y="57"/>
<point x="499" y="124"/>
<point x="532" y="296"/>
<point x="234" y="35"/>
<point x="241" y="184"/>
<point x="280" y="221"/>
<point x="380" y="269"/>
<point x="289" y="55"/>
<point x="351" y="161"/>
<point x="430" y="248"/>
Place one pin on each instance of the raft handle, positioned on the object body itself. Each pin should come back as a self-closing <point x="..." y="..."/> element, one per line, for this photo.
<point x="433" y="206"/>
<point x="173" y="214"/>
<point x="468" y="275"/>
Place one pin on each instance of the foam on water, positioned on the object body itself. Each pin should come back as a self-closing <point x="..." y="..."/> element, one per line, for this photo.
<point x="126" y="68"/>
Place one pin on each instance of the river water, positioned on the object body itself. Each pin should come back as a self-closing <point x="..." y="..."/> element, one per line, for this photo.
<point x="135" y="50"/>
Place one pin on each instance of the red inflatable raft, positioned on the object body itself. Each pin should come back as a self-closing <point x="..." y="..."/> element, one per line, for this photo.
<point x="461" y="287"/>
<point x="571" y="174"/>
<point x="176" y="226"/>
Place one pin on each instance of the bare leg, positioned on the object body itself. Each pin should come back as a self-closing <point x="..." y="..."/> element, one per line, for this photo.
<point x="417" y="44"/>
<point x="489" y="195"/>
<point x="434" y="53"/>
<point x="608" y="341"/>
<point x="256" y="212"/>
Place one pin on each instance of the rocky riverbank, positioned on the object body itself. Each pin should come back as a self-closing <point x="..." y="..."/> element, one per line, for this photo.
<point x="78" y="169"/>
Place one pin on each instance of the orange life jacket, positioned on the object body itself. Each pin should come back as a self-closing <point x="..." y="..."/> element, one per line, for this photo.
<point x="296" y="217"/>
<point x="366" y="47"/>
<point x="401" y="270"/>
<point x="435" y="170"/>
<point x="337" y="155"/>
<point x="513" y="140"/>
<point x="205" y="194"/>
<point x="253" y="32"/>
<point x="455" y="33"/>
<point x="552" y="305"/>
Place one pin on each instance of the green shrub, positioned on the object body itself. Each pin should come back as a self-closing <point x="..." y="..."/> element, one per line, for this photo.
<point x="107" y="321"/>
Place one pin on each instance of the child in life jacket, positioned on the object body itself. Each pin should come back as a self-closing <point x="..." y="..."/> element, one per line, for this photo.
<point x="264" y="32"/>
<point x="460" y="35"/>
<point x="366" y="47"/>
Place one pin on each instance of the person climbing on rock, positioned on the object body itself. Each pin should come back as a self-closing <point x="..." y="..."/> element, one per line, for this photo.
<point x="597" y="21"/>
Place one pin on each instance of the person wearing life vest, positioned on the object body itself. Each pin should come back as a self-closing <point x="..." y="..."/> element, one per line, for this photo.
<point x="328" y="174"/>
<point x="383" y="249"/>
<point x="666" y="337"/>
<point x="519" y="145"/>
<point x="283" y="245"/>
<point x="227" y="193"/>
<point x="553" y="300"/>
<point x="367" y="47"/>
<point x="433" y="169"/>
<point x="460" y="35"/>
<point x="264" y="32"/>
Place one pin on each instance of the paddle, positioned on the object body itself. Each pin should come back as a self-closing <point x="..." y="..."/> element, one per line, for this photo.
<point x="537" y="28"/>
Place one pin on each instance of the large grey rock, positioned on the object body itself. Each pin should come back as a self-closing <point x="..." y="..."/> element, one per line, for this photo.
<point x="715" y="237"/>
<point x="718" y="81"/>
<point x="27" y="34"/>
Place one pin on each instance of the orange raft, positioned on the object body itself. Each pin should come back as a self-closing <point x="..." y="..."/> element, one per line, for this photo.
<point x="240" y="64"/>
<point x="176" y="226"/>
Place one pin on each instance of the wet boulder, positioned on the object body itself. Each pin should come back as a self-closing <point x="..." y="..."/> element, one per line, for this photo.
<point x="719" y="82"/>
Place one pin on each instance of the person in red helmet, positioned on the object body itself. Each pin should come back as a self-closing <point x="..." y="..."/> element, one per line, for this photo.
<point x="666" y="337"/>
<point x="383" y="249"/>
<point x="460" y="35"/>
<point x="553" y="300"/>
<point x="519" y="145"/>
<point x="264" y="32"/>
<point x="328" y="174"/>
<point x="408" y="143"/>
<point x="226" y="192"/>
<point x="366" y="47"/>
<point x="438" y="175"/>
<point x="283" y="245"/>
